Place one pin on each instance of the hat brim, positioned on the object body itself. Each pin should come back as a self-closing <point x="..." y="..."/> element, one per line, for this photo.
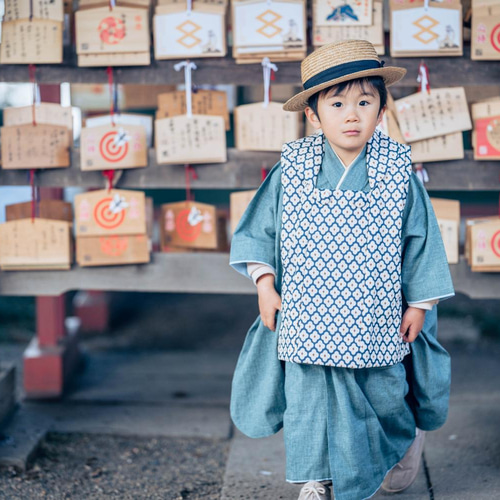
<point x="390" y="74"/>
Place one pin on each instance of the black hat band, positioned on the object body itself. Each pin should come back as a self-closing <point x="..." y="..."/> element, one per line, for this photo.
<point x="340" y="71"/>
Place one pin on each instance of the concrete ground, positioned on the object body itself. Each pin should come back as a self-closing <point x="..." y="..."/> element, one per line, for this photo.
<point x="144" y="423"/>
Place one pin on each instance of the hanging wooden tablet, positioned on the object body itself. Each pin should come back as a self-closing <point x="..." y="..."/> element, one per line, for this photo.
<point x="44" y="209"/>
<point x="179" y="33"/>
<point x="417" y="31"/>
<point x="35" y="245"/>
<point x="448" y="217"/>
<point x="485" y="246"/>
<point x="442" y="148"/>
<point x="260" y="128"/>
<point x="374" y="32"/>
<point x="485" y="34"/>
<point x="106" y="212"/>
<point x="486" y="109"/>
<point x="115" y="59"/>
<point x="188" y="224"/>
<point x="144" y="121"/>
<point x="85" y="4"/>
<point x="196" y="139"/>
<point x="45" y="112"/>
<point x="276" y="29"/>
<point x="442" y="111"/>
<point x="112" y="250"/>
<point x="239" y="202"/>
<point x="346" y="13"/>
<point x="487" y="138"/>
<point x="122" y="29"/>
<point x="38" y="9"/>
<point x="40" y="146"/>
<point x="204" y="102"/>
<point x="38" y="41"/>
<point x="107" y="147"/>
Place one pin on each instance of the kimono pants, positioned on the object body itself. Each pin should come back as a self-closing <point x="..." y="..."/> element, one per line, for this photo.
<point x="347" y="425"/>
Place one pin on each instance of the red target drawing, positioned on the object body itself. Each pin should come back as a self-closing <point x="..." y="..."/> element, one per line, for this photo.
<point x="110" y="150"/>
<point x="495" y="243"/>
<point x="495" y="37"/>
<point x="111" y="30"/>
<point x="114" y="246"/>
<point x="184" y="229"/>
<point x="105" y="218"/>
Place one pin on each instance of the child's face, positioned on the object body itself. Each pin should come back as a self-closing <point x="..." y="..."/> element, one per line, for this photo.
<point x="348" y="119"/>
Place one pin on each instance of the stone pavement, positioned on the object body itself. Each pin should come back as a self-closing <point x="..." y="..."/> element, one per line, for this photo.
<point x="186" y="394"/>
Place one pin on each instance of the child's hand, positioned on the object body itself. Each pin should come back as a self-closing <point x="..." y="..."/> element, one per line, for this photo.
<point x="269" y="300"/>
<point x="413" y="321"/>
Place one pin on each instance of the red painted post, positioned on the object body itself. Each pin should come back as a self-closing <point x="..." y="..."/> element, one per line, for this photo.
<point x="52" y="355"/>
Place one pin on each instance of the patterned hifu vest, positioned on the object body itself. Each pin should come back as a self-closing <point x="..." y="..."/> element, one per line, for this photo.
<point x="341" y="257"/>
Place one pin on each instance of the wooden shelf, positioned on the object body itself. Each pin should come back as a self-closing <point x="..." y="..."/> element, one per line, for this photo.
<point x="444" y="71"/>
<point x="242" y="171"/>
<point x="201" y="272"/>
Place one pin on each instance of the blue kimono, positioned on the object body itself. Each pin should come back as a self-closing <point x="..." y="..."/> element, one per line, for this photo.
<point x="348" y="425"/>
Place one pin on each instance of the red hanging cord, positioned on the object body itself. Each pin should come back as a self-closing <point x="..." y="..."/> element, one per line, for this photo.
<point x="190" y="173"/>
<point x="263" y="172"/>
<point x="33" y="194"/>
<point x="109" y="70"/>
<point x="32" y="73"/>
<point x="273" y="78"/>
<point x="109" y="175"/>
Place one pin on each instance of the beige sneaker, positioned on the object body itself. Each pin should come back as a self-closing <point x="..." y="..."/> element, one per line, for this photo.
<point x="315" y="491"/>
<point x="405" y="472"/>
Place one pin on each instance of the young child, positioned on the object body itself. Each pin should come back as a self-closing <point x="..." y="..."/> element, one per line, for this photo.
<point x="344" y="247"/>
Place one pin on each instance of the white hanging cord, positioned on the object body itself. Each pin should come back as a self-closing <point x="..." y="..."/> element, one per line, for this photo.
<point x="189" y="7"/>
<point x="267" y="67"/>
<point x="426" y="4"/>
<point x="188" y="66"/>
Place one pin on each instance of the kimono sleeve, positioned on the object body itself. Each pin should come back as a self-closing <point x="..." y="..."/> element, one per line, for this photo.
<point x="425" y="271"/>
<point x="254" y="239"/>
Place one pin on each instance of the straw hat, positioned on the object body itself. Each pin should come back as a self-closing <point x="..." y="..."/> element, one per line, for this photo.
<point x="338" y="62"/>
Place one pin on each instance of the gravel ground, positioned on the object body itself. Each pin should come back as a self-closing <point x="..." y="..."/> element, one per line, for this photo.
<point x="83" y="466"/>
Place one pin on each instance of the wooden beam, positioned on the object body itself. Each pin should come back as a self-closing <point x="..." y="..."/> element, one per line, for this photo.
<point x="445" y="72"/>
<point x="242" y="171"/>
<point x="201" y="272"/>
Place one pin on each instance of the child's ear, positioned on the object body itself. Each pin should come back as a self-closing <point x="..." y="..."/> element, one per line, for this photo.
<point x="381" y="114"/>
<point x="313" y="118"/>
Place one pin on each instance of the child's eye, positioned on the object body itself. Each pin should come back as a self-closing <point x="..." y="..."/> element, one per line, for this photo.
<point x="364" y="103"/>
<point x="337" y="104"/>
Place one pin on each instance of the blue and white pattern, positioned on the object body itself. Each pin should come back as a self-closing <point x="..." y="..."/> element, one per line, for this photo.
<point x="341" y="256"/>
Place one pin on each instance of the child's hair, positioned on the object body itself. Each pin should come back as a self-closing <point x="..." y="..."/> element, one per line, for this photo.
<point x="375" y="82"/>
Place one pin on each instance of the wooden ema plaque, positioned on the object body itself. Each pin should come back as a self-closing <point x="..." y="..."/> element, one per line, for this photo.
<point x="196" y="139"/>
<point x="265" y="129"/>
<point x="112" y="250"/>
<point x="239" y="202"/>
<point x="276" y="30"/>
<point x="374" y="33"/>
<point x="45" y="113"/>
<point x="113" y="147"/>
<point x="188" y="224"/>
<point x="485" y="33"/>
<point x="31" y="245"/>
<point x="39" y="41"/>
<point x="445" y="147"/>
<point x="39" y="9"/>
<point x="120" y="30"/>
<point x="44" y="209"/>
<point x="104" y="213"/>
<point x="358" y="13"/>
<point x="485" y="246"/>
<point x="35" y="146"/>
<point x="448" y="217"/>
<point x="487" y="138"/>
<point x="114" y="59"/>
<point x="179" y="34"/>
<point x="204" y="102"/>
<point x="420" y="32"/>
<point x="443" y="111"/>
